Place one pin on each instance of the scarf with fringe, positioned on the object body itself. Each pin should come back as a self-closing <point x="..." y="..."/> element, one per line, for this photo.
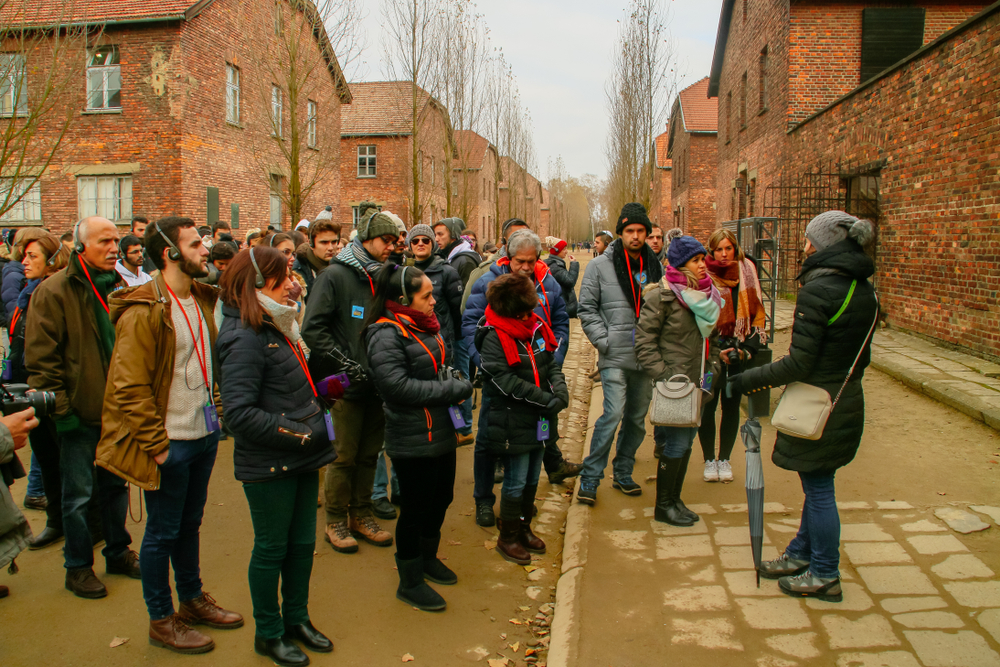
<point x="749" y="317"/>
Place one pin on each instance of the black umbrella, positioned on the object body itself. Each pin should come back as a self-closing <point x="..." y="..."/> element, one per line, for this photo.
<point x="750" y="432"/>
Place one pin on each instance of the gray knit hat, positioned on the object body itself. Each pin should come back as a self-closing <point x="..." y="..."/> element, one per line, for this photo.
<point x="455" y="227"/>
<point x="421" y="230"/>
<point x="377" y="225"/>
<point x="832" y="227"/>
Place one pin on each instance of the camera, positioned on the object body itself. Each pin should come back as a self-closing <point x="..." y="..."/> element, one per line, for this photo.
<point x="732" y="344"/>
<point x="15" y="398"/>
<point x="449" y="373"/>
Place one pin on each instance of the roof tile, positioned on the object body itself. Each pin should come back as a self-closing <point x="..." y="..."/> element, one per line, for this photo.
<point x="699" y="112"/>
<point x="379" y="107"/>
<point x="92" y="11"/>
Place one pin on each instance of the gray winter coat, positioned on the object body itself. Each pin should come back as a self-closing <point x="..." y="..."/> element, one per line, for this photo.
<point x="14" y="529"/>
<point x="607" y="316"/>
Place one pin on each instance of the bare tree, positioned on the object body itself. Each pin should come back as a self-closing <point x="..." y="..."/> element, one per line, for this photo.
<point x="41" y="61"/>
<point x="294" y="78"/>
<point x="344" y="21"/>
<point x="637" y="94"/>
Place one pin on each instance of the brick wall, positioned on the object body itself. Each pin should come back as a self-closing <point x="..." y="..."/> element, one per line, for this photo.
<point x="475" y="193"/>
<point x="693" y="183"/>
<point x="661" y="210"/>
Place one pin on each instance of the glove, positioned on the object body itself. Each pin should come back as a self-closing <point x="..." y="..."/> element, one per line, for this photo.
<point x="555" y="404"/>
<point x="734" y="385"/>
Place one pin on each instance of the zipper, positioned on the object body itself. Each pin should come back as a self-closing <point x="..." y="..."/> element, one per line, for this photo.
<point x="430" y="424"/>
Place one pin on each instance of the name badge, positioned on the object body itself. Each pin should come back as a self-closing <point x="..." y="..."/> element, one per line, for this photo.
<point x="642" y="277"/>
<point x="8" y="374"/>
<point x="543" y="429"/>
<point x="211" y="418"/>
<point x="706" y="381"/>
<point x="358" y="312"/>
<point x="541" y="344"/>
<point x="457" y="420"/>
<point x="328" y="418"/>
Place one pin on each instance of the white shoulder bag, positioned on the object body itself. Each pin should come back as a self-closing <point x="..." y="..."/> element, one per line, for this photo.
<point x="677" y="400"/>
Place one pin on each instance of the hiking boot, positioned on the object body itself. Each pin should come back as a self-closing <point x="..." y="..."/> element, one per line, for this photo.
<point x="84" y="583"/>
<point x="711" y="471"/>
<point x="783" y="566"/>
<point x="627" y="486"/>
<point x="204" y="611"/>
<point x="174" y="634"/>
<point x="35" y="502"/>
<point x="566" y="470"/>
<point x="367" y="528"/>
<point x="338" y="535"/>
<point x="465" y="439"/>
<point x="725" y="471"/>
<point x="808" y="585"/>
<point x="587" y="494"/>
<point x="484" y="514"/>
<point x="127" y="564"/>
<point x="383" y="509"/>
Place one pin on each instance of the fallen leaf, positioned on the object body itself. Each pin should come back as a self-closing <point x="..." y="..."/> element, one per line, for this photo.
<point x="454" y="543"/>
<point x="524" y="608"/>
<point x="941" y="493"/>
<point x="503" y="635"/>
<point x="515" y="621"/>
<point x="118" y="641"/>
<point x="490" y="545"/>
<point x="497" y="662"/>
<point x="408" y="658"/>
<point x="530" y="568"/>
<point x="516" y="646"/>
<point x="218" y="504"/>
<point x="651" y="478"/>
<point x="530" y="651"/>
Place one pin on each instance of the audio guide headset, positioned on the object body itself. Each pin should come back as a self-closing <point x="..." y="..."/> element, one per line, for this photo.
<point x="174" y="253"/>
<point x="77" y="244"/>
<point x="405" y="300"/>
<point x="259" y="280"/>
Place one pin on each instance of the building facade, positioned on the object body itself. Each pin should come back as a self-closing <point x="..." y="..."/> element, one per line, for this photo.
<point x="475" y="196"/>
<point x="693" y="139"/>
<point x="660" y="210"/>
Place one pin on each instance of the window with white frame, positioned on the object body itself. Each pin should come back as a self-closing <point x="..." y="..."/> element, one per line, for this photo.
<point x="432" y="170"/>
<point x="232" y="94"/>
<point x="275" y="201"/>
<point x="312" y="124"/>
<point x="276" y="108"/>
<point x="104" y="79"/>
<point x="366" y="162"/>
<point x="355" y="216"/>
<point x="13" y="85"/>
<point x="28" y="209"/>
<point x="105" y="196"/>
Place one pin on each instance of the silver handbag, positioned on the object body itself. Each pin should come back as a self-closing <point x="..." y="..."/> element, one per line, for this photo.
<point x="677" y="400"/>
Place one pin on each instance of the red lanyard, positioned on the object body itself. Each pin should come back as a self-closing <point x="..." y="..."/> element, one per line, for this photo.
<point x="100" y="298"/>
<point x="300" y="356"/>
<point x="531" y="356"/>
<point x="632" y="281"/>
<point x="14" y="318"/>
<point x="202" y="357"/>
<point x="437" y="338"/>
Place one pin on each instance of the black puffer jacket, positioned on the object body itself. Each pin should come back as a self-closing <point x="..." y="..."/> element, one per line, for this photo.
<point x="416" y="403"/>
<point x="821" y="354"/>
<point x="447" y="297"/>
<point x="516" y="403"/>
<point x="266" y="399"/>
<point x="567" y="280"/>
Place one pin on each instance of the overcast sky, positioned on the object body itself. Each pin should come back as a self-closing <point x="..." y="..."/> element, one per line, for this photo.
<point x="560" y="53"/>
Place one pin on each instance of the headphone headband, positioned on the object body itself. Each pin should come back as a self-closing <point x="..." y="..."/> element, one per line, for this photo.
<point x="405" y="300"/>
<point x="175" y="252"/>
<point x="259" y="281"/>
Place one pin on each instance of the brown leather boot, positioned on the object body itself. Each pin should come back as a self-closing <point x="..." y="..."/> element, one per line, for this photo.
<point x="204" y="611"/>
<point x="508" y="544"/>
<point x="527" y="539"/>
<point x="84" y="583"/>
<point x="338" y="536"/>
<point x="367" y="528"/>
<point x="174" y="634"/>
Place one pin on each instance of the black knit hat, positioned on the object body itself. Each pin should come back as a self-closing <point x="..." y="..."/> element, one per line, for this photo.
<point x="634" y="213"/>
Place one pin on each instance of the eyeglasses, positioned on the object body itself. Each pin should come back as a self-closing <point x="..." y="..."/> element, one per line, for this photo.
<point x="388" y="239"/>
<point x="421" y="240"/>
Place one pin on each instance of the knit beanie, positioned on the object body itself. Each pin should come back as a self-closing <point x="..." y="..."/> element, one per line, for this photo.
<point x="400" y="225"/>
<point x="325" y="214"/>
<point x="303" y="224"/>
<point x="555" y="244"/>
<point x="366" y="210"/>
<point x="421" y="230"/>
<point x="455" y="227"/>
<point x="682" y="249"/>
<point x="634" y="213"/>
<point x="674" y="233"/>
<point x="832" y="227"/>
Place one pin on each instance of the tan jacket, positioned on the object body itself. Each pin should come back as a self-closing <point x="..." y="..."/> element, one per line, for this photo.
<point x="667" y="340"/>
<point x="142" y="367"/>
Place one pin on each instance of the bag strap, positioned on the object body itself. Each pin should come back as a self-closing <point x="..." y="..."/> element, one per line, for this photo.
<point x="704" y="353"/>
<point x="864" y="343"/>
<point x="843" y="307"/>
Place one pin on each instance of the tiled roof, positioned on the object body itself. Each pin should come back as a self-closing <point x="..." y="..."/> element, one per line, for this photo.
<point x="98" y="11"/>
<point x="380" y="107"/>
<point x="470" y="150"/>
<point x="699" y="112"/>
<point x="662" y="149"/>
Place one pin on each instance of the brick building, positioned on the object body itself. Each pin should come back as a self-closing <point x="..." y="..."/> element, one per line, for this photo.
<point x="520" y="194"/>
<point x="475" y="196"/>
<point x="888" y="113"/>
<point x="693" y="148"/>
<point x="377" y="144"/>
<point x="173" y="106"/>
<point x="660" y="211"/>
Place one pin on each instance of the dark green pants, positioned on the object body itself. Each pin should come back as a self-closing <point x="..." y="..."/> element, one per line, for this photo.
<point x="284" y="538"/>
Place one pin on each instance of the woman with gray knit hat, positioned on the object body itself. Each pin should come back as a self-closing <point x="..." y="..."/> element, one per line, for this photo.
<point x="835" y="316"/>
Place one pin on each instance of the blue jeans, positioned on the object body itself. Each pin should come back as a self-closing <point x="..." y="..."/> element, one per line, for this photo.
<point x="818" y="539"/>
<point x="462" y="364"/>
<point x="82" y="484"/>
<point x="173" y="524"/>
<point x="381" y="487"/>
<point x="519" y="471"/>
<point x="674" y="441"/>
<point x="35" y="486"/>
<point x="626" y="401"/>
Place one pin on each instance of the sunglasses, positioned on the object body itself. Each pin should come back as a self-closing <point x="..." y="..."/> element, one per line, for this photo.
<point x="420" y="240"/>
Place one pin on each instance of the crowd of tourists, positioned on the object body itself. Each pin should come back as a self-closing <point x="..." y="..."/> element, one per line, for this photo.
<point x="345" y="366"/>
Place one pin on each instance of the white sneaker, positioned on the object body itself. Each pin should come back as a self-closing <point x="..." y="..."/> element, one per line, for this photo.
<point x="712" y="472"/>
<point x="725" y="471"/>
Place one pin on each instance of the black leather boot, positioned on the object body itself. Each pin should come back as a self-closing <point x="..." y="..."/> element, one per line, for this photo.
<point x="666" y="509"/>
<point x="678" y="485"/>
<point x="434" y="569"/>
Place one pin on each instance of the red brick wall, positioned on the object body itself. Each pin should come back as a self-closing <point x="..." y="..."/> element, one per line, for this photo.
<point x="660" y="210"/>
<point x="693" y="183"/>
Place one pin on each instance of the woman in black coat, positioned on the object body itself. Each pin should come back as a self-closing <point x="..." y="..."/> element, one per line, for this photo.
<point x="409" y="364"/>
<point x="283" y="437"/>
<point x="523" y="392"/>
<point x="835" y="315"/>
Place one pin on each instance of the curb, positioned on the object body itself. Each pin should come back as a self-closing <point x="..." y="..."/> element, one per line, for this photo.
<point x="939" y="391"/>
<point x="563" y="648"/>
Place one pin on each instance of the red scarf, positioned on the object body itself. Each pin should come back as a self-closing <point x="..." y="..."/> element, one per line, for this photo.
<point x="541" y="268"/>
<point x="511" y="330"/>
<point x="424" y="322"/>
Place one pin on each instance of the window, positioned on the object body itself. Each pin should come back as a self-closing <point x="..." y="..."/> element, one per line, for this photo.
<point x="107" y="196"/>
<point x="355" y="216"/>
<point x="311" y="120"/>
<point x="276" y="105"/>
<point x="28" y="209"/>
<point x="752" y="197"/>
<point x="729" y="114"/>
<point x="887" y="36"/>
<point x="366" y="162"/>
<point x="432" y="170"/>
<point x="743" y="102"/>
<point x="862" y="195"/>
<point x="104" y="79"/>
<point x="232" y="94"/>
<point x="275" y="201"/>
<point x="762" y="79"/>
<point x="13" y="85"/>
<point x="420" y="166"/>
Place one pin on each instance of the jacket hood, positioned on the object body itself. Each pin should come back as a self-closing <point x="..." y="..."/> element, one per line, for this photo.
<point x="845" y="257"/>
<point x="152" y="292"/>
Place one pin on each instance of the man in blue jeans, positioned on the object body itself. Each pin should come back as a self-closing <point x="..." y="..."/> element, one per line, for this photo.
<point x="161" y="427"/>
<point x="69" y="339"/>
<point x="610" y="301"/>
